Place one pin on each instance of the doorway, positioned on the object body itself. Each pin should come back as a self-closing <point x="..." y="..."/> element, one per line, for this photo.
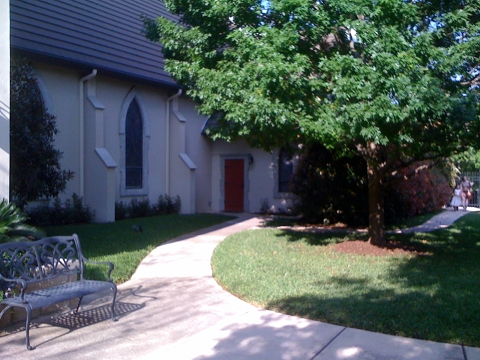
<point x="234" y="185"/>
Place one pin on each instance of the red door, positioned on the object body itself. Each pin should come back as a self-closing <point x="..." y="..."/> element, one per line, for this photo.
<point x="234" y="191"/>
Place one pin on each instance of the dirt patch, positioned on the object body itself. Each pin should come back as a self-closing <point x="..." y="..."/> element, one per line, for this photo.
<point x="360" y="247"/>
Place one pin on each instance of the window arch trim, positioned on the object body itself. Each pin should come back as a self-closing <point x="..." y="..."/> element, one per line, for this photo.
<point x="134" y="94"/>
<point x="43" y="88"/>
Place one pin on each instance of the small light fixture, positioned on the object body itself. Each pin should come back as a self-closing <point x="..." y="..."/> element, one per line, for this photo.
<point x="250" y="159"/>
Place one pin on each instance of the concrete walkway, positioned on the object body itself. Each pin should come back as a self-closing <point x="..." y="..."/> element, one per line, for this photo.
<point x="172" y="308"/>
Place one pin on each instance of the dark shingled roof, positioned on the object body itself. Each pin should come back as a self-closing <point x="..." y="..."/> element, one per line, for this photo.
<point x="101" y="34"/>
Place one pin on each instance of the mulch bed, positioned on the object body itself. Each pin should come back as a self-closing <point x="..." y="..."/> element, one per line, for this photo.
<point x="360" y="247"/>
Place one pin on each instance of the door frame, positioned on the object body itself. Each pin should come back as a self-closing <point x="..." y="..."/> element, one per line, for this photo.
<point x="246" y="183"/>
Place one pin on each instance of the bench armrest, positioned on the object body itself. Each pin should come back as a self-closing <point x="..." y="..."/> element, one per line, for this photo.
<point x="110" y="264"/>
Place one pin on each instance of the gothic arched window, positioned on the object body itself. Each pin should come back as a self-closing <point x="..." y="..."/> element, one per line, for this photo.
<point x="134" y="147"/>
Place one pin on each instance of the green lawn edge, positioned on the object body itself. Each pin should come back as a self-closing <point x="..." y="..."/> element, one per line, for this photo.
<point x="432" y="297"/>
<point x="120" y="242"/>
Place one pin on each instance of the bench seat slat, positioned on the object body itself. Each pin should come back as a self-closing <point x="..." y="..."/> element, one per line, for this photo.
<point x="45" y="297"/>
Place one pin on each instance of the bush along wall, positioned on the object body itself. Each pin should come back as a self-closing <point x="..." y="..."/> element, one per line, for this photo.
<point x="165" y="204"/>
<point x="72" y="211"/>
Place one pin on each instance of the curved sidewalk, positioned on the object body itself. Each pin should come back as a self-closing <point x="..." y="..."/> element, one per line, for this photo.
<point x="172" y="308"/>
<point x="440" y="221"/>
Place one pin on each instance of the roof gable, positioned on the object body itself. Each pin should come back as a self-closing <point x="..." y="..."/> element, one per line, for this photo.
<point x="102" y="34"/>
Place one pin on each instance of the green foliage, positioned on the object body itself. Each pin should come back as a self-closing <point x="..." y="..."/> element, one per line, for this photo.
<point x="121" y="210"/>
<point x="70" y="212"/>
<point x="331" y="188"/>
<point x="12" y="224"/>
<point x="468" y="160"/>
<point x="140" y="208"/>
<point x="5" y="293"/>
<point x="166" y="204"/>
<point x="297" y="68"/>
<point x="34" y="162"/>
<point x="393" y="80"/>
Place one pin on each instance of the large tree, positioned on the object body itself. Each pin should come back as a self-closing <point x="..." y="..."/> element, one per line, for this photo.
<point x="35" y="170"/>
<point x="394" y="80"/>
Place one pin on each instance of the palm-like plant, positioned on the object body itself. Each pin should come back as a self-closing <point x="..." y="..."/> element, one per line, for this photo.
<point x="12" y="224"/>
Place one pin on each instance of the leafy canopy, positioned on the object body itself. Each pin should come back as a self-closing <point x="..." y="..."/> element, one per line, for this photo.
<point x="393" y="80"/>
<point x="388" y="72"/>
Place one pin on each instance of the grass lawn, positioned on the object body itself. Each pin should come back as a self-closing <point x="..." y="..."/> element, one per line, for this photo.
<point x="119" y="243"/>
<point x="434" y="296"/>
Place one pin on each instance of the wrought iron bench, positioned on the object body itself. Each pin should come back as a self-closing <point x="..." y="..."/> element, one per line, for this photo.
<point x="29" y="262"/>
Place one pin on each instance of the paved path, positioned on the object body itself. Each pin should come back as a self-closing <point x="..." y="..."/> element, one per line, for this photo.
<point x="172" y="308"/>
<point x="440" y="221"/>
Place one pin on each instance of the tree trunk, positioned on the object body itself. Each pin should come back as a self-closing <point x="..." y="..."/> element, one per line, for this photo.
<point x="376" y="219"/>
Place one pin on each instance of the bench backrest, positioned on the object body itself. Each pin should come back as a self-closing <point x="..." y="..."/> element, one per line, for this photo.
<point x="35" y="261"/>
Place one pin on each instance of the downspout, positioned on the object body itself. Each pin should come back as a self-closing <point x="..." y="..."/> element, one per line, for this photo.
<point x="81" y="174"/>
<point x="167" y="141"/>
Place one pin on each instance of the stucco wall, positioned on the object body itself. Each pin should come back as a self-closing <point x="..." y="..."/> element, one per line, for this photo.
<point x="112" y="93"/>
<point x="4" y="99"/>
<point x="60" y="88"/>
<point x="199" y="148"/>
<point x="60" y="92"/>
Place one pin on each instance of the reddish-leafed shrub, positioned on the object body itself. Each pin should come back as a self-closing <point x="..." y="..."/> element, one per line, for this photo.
<point x="424" y="192"/>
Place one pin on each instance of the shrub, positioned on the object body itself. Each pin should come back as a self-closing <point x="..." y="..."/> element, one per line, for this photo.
<point x="426" y="191"/>
<point x="166" y="204"/>
<point x="4" y="292"/>
<point x="331" y="187"/>
<point x="140" y="208"/>
<point x="161" y="208"/>
<point x="173" y="204"/>
<point x="121" y="210"/>
<point x="35" y="170"/>
<point x="80" y="213"/>
<point x="72" y="211"/>
<point x="264" y="206"/>
<point x="13" y="226"/>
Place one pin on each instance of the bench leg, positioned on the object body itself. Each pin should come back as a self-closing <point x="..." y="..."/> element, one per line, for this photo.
<point x="27" y="328"/>
<point x="5" y="310"/>
<point x="114" y="288"/>
<point x="27" y="324"/>
<point x="78" y="305"/>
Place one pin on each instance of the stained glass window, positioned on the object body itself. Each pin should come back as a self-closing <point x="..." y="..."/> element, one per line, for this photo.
<point x="134" y="147"/>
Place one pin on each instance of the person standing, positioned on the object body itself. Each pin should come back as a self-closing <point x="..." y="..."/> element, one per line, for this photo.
<point x="457" y="198"/>
<point x="466" y="186"/>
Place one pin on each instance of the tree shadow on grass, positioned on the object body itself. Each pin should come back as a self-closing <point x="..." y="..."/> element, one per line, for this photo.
<point x="413" y="314"/>
<point x="320" y="237"/>
<point x="431" y="297"/>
